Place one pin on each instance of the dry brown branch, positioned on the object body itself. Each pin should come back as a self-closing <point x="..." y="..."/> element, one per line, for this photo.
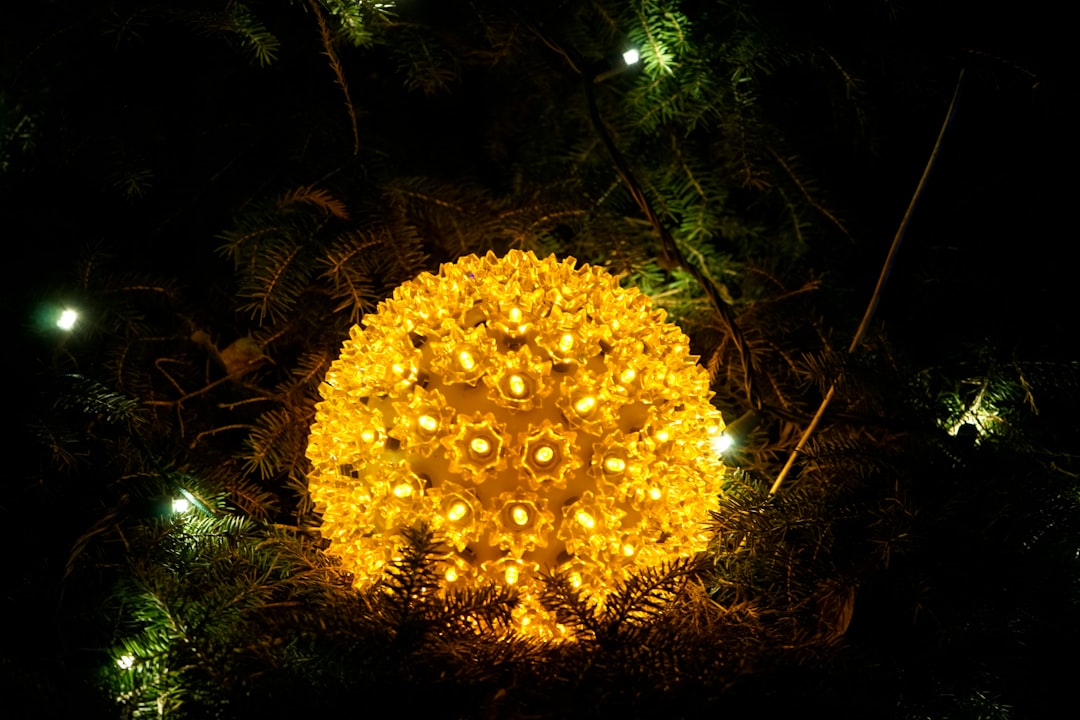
<point x="339" y="72"/>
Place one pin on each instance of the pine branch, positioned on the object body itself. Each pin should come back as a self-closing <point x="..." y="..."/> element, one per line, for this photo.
<point x="421" y="57"/>
<point x="237" y="21"/>
<point x="483" y="611"/>
<point x="351" y="266"/>
<point x="275" y="286"/>
<point x="788" y="166"/>
<point x="339" y="72"/>
<point x="276" y="445"/>
<point x="571" y="608"/>
<point x="94" y="399"/>
<point x="316" y="197"/>
<point x="306" y="374"/>
<point x="644" y="597"/>
<point x="405" y="594"/>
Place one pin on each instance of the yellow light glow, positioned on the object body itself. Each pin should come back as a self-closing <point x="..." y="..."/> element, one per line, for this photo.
<point x="586" y="520"/>
<point x="543" y="455"/>
<point x="585" y="405"/>
<point x="180" y="505"/>
<point x="614" y="464"/>
<point x="519" y="515"/>
<point x="480" y="446"/>
<point x="518" y="388"/>
<point x="631" y="56"/>
<point x="550" y="421"/>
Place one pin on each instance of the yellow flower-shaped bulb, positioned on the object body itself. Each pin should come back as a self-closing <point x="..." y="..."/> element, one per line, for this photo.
<point x="538" y="416"/>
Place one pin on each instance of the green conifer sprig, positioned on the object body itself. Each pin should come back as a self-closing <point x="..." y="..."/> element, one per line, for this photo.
<point x="97" y="402"/>
<point x="236" y="23"/>
<point x="410" y="603"/>
<point x="361" y="22"/>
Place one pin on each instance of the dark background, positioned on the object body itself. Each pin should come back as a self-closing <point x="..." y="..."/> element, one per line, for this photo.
<point x="986" y="267"/>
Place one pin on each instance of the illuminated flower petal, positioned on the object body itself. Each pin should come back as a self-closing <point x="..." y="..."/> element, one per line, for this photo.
<point x="477" y="447"/>
<point x="547" y="456"/>
<point x="520" y="523"/>
<point x="422" y="421"/>
<point x="518" y="380"/>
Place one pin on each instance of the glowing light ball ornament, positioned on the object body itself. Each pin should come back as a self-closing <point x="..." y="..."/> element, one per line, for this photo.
<point x="537" y="415"/>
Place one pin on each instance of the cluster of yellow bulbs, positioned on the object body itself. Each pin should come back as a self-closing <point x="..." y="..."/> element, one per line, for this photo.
<point x="537" y="415"/>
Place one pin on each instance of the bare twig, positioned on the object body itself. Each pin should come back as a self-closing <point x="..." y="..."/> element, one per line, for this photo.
<point x="871" y="307"/>
<point x="671" y="253"/>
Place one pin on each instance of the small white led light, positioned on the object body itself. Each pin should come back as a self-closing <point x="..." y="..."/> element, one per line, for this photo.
<point x="180" y="505"/>
<point x="67" y="319"/>
<point x="631" y="56"/>
<point x="735" y="434"/>
<point x="721" y="443"/>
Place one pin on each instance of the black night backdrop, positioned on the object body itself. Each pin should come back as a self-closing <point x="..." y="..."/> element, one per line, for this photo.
<point x="220" y="189"/>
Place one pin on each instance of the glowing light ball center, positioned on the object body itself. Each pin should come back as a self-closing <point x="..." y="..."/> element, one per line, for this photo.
<point x="537" y="415"/>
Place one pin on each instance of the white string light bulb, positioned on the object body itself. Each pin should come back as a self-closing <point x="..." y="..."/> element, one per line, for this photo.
<point x="67" y="319"/>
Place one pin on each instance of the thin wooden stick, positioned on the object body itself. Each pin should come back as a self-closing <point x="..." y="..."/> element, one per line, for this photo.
<point x="670" y="250"/>
<point x="871" y="307"/>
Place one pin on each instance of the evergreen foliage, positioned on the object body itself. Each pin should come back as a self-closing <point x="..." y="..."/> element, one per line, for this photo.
<point x="262" y="174"/>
